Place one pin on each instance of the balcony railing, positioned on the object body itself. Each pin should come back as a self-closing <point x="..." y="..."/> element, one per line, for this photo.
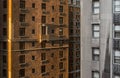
<point x="49" y="37"/>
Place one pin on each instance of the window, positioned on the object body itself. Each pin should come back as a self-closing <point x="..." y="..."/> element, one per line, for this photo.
<point x="4" y="17"/>
<point x="52" y="54"/>
<point x="52" y="19"/>
<point x="96" y="7"/>
<point x="33" y="70"/>
<point x="116" y="76"/>
<point x="61" y="65"/>
<point x="22" y="18"/>
<point x="52" y="8"/>
<point x="61" y="31"/>
<point x="117" y="28"/>
<point x="33" y="57"/>
<point x="22" y="31"/>
<point x="60" y="8"/>
<point x="33" y="44"/>
<point x="4" y="32"/>
<point x="61" y="76"/>
<point x="22" y="3"/>
<point x="22" y="72"/>
<point x="117" y="34"/>
<point x="117" y="31"/>
<point x="43" y="56"/>
<point x="33" y="31"/>
<point x="4" y="73"/>
<point x="4" y="59"/>
<point x="117" y="56"/>
<point x="52" y="66"/>
<point x="44" y="30"/>
<point x="60" y="54"/>
<point x="4" y="3"/>
<point x="95" y="74"/>
<point x="21" y="45"/>
<point x="44" y="6"/>
<point x="22" y="59"/>
<point x="4" y="44"/>
<point x="117" y="5"/>
<point x="33" y="5"/>
<point x="96" y="31"/>
<point x="43" y="69"/>
<point x="96" y="54"/>
<point x="33" y="18"/>
<point x="61" y="20"/>
<point x="43" y="19"/>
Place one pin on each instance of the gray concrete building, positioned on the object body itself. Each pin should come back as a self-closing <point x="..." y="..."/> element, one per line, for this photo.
<point x="100" y="39"/>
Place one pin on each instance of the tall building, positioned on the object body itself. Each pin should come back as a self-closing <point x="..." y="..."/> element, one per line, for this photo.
<point x="100" y="38"/>
<point x="34" y="39"/>
<point x="74" y="39"/>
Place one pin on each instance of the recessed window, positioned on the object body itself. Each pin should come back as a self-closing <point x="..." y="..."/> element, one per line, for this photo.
<point x="44" y="6"/>
<point x="33" y="31"/>
<point x="61" y="20"/>
<point x="33" y="18"/>
<point x="96" y="54"/>
<point x="52" y="8"/>
<point x="96" y="30"/>
<point x="4" y="45"/>
<point x="43" y="56"/>
<point x="33" y="5"/>
<point x="21" y="45"/>
<point x="60" y="54"/>
<point x="43" y="69"/>
<point x="4" y="73"/>
<point x="4" y="17"/>
<point x="21" y="72"/>
<point x="61" y="31"/>
<point x="61" y="65"/>
<point x="4" y="32"/>
<point x="60" y="8"/>
<point x="33" y="70"/>
<point x="52" y="66"/>
<point x="61" y="76"/>
<point x="95" y="74"/>
<point x="43" y="19"/>
<point x="4" y="3"/>
<point x="52" y="19"/>
<point x="96" y="6"/>
<point x="22" y="18"/>
<point x="22" y="32"/>
<point x="4" y="59"/>
<point x="22" y="3"/>
<point x="117" y="5"/>
<point x="33" y="44"/>
<point x="33" y="57"/>
<point x="117" y="56"/>
<point x="22" y="59"/>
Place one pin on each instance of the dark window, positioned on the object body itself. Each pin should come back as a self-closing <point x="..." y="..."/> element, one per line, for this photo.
<point x="43" y="56"/>
<point x="60" y="54"/>
<point x="21" y="45"/>
<point x="52" y="55"/>
<point x="52" y="8"/>
<point x="61" y="31"/>
<point x="22" y="3"/>
<point x="22" y="18"/>
<point x="5" y="18"/>
<point x="22" y="59"/>
<point x="61" y="65"/>
<point x="4" y="59"/>
<point x="52" y="19"/>
<point x="4" y="45"/>
<point x="33" y="44"/>
<point x="4" y="73"/>
<point x="33" y="57"/>
<point x="33" y="18"/>
<point x="22" y="72"/>
<point x="61" y="8"/>
<point x="22" y="31"/>
<point x="52" y="66"/>
<point x="43" y="69"/>
<point x="43" y="6"/>
<point x="61" y="76"/>
<point x="33" y="31"/>
<point x="43" y="19"/>
<point x="33" y="5"/>
<point x="33" y="70"/>
<point x="4" y="31"/>
<point x="4" y="3"/>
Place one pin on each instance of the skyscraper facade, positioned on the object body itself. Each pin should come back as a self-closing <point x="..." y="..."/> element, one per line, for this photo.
<point x="34" y="39"/>
<point x="100" y="37"/>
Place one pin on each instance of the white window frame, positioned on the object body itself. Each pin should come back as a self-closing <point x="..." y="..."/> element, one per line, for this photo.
<point x="96" y="30"/>
<point x="117" y="5"/>
<point x="96" y="7"/>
